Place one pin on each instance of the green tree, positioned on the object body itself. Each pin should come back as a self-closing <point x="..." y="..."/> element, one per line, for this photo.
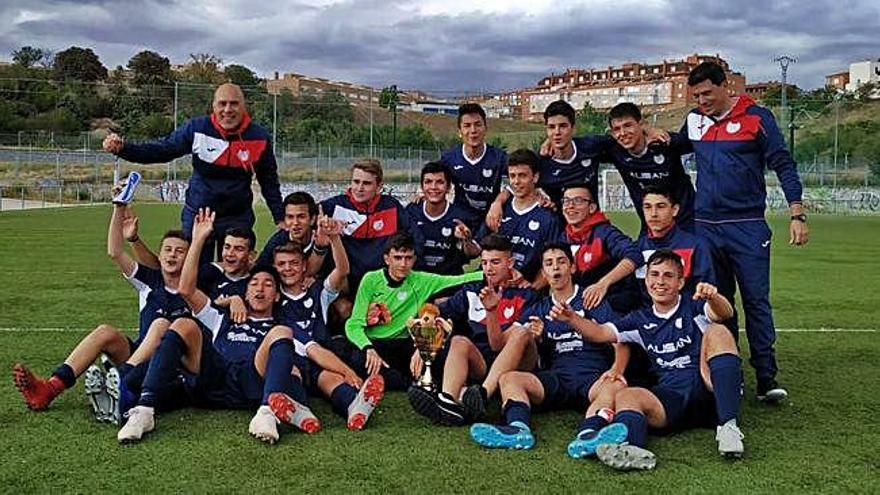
<point x="241" y="75"/>
<point x="150" y="68"/>
<point x="28" y="56"/>
<point x="79" y="64"/>
<point x="203" y="68"/>
<point x="590" y="121"/>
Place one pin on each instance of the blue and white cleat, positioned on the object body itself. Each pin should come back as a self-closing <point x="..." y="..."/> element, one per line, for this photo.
<point x="513" y="436"/>
<point x="96" y="393"/>
<point x="626" y="457"/>
<point x="126" y="195"/>
<point x="587" y="441"/>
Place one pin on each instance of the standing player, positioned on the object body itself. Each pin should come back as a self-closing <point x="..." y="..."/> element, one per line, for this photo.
<point x="524" y="221"/>
<point x="159" y="304"/>
<point x="227" y="151"/>
<point x="300" y="214"/>
<point x="443" y="240"/>
<point x="477" y="168"/>
<point x="734" y="141"/>
<point x="693" y="357"/>
<point x="572" y="375"/>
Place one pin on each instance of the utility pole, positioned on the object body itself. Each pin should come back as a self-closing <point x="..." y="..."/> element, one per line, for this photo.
<point x="393" y="104"/>
<point x="175" y="105"/>
<point x="784" y="61"/>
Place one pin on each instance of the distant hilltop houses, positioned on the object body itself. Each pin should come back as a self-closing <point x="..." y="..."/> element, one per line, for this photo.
<point x="859" y="75"/>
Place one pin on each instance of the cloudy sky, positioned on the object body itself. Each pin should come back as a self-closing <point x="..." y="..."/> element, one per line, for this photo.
<point x="455" y="45"/>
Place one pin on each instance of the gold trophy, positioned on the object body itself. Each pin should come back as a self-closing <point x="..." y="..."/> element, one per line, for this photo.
<point x="429" y="332"/>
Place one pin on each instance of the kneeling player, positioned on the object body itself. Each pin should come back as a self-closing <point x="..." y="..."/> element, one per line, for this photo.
<point x="694" y="358"/>
<point x="159" y="304"/>
<point x="575" y="365"/>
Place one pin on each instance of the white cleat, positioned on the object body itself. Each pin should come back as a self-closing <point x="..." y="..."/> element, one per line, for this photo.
<point x="139" y="421"/>
<point x="264" y="425"/>
<point x="112" y="387"/>
<point x="730" y="440"/>
<point x="626" y="457"/>
<point x="96" y="393"/>
<point x="365" y="402"/>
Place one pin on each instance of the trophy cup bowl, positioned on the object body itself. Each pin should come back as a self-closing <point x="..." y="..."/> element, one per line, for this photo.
<point x="429" y="332"/>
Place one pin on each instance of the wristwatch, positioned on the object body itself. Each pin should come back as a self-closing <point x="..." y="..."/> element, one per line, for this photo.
<point x="800" y="218"/>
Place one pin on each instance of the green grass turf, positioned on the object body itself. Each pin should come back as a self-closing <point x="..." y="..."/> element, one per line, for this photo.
<point x="56" y="275"/>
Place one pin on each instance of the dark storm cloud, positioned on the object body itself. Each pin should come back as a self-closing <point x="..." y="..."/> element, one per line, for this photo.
<point x="379" y="43"/>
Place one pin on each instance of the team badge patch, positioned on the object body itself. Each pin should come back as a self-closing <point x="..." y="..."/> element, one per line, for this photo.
<point x="678" y="323"/>
<point x="308" y="303"/>
<point x="733" y="127"/>
<point x="378" y="224"/>
<point x="587" y="162"/>
<point x="401" y="296"/>
<point x="534" y="225"/>
<point x="487" y="172"/>
<point x="659" y="159"/>
<point x="243" y="155"/>
<point x="446" y="231"/>
<point x="508" y="312"/>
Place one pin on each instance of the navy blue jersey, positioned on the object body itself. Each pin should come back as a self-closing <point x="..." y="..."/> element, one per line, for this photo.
<point x="528" y="231"/>
<point x="660" y="165"/>
<point x="672" y="340"/>
<point x="465" y="306"/>
<point x="566" y="348"/>
<point x="216" y="283"/>
<point x="155" y="300"/>
<point x="477" y="183"/>
<point x="238" y="342"/>
<point x="437" y="249"/>
<point x="581" y="168"/>
<point x="280" y="238"/>
<point x="598" y="248"/>
<point x="693" y="250"/>
<point x="307" y="312"/>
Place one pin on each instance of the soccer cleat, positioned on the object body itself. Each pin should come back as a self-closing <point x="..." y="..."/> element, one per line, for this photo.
<point x="625" y="457"/>
<point x="37" y="392"/>
<point x="125" y="196"/>
<point x="96" y="393"/>
<point x="475" y="400"/>
<point x="423" y="402"/>
<point x="291" y="412"/>
<point x="365" y="402"/>
<point x="513" y="436"/>
<point x="121" y="399"/>
<point x="451" y="413"/>
<point x="588" y="440"/>
<point x="139" y="422"/>
<point x="730" y="440"/>
<point x="769" y="392"/>
<point x="264" y="425"/>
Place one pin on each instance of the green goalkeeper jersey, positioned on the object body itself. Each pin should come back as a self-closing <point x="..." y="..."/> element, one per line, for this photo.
<point x="403" y="301"/>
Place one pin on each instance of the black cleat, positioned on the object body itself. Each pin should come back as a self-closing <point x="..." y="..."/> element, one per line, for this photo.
<point x="452" y="413"/>
<point x="770" y="392"/>
<point x="423" y="402"/>
<point x="475" y="400"/>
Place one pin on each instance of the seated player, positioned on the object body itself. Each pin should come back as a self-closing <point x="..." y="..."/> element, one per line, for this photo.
<point x="304" y="308"/>
<point x="300" y="214"/>
<point x="656" y="164"/>
<point x="571" y="376"/>
<point x="443" y="240"/>
<point x="604" y="257"/>
<point x="235" y="365"/>
<point x="660" y="209"/>
<point x="482" y="351"/>
<point x="159" y="304"/>
<point x="694" y="358"/>
<point x="477" y="168"/>
<point x="524" y="221"/>
<point x="386" y="299"/>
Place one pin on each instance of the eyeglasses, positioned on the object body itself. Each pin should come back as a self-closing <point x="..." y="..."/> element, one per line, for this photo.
<point x="577" y="201"/>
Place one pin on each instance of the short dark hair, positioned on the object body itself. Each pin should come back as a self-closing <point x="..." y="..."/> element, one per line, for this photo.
<point x="623" y="110"/>
<point x="264" y="268"/>
<point x="436" y="168"/>
<point x="301" y="198"/>
<point x="174" y="234"/>
<point x="560" y="107"/>
<point x="524" y="156"/>
<point x="565" y="248"/>
<point x="579" y="185"/>
<point x="401" y="241"/>
<point x="470" y="108"/>
<point x="663" y="255"/>
<point x="289" y="247"/>
<point x="243" y="233"/>
<point x="711" y="71"/>
<point x="496" y="242"/>
<point x="660" y="190"/>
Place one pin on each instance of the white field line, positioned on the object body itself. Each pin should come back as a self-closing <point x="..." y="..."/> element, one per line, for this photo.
<point x="778" y="330"/>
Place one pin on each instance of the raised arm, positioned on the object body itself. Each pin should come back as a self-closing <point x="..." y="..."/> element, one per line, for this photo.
<point x="490" y="299"/>
<point x="333" y="230"/>
<point x="720" y="308"/>
<point x="115" y="242"/>
<point x="142" y="253"/>
<point x="203" y="225"/>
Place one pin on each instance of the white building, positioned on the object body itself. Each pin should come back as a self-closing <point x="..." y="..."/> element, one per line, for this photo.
<point x="861" y="73"/>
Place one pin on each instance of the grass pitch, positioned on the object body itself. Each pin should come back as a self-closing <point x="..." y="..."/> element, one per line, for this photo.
<point x="56" y="276"/>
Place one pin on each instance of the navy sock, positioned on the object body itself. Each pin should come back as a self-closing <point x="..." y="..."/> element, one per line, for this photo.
<point x="725" y="372"/>
<point x="517" y="411"/>
<point x="594" y="423"/>
<point x="636" y="425"/>
<point x="65" y="373"/>
<point x="341" y="397"/>
<point x="278" y="366"/>
<point x="163" y="367"/>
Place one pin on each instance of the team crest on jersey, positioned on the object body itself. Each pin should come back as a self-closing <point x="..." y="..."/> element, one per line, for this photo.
<point x="508" y="312"/>
<point x="378" y="224"/>
<point x="243" y="155"/>
<point x="446" y="231"/>
<point x="588" y="257"/>
<point x="487" y="172"/>
<point x="534" y="225"/>
<point x="308" y="303"/>
<point x="733" y="127"/>
<point x="401" y="296"/>
<point x="678" y="323"/>
<point x="659" y="159"/>
<point x="587" y="162"/>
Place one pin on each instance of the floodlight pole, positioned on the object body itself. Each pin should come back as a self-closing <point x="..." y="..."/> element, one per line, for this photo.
<point x="784" y="61"/>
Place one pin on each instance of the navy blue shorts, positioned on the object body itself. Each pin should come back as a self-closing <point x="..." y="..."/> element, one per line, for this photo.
<point x="309" y="373"/>
<point x="223" y="384"/>
<point x="687" y="403"/>
<point x="564" y="389"/>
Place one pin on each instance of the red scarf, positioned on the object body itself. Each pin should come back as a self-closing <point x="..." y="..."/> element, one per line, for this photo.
<point x="581" y="233"/>
<point x="245" y="122"/>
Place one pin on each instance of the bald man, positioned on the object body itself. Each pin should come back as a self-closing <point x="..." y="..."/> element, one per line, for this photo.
<point x="227" y="151"/>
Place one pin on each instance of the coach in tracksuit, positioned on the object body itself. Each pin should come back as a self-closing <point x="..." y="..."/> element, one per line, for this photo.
<point x="227" y="151"/>
<point x="734" y="140"/>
